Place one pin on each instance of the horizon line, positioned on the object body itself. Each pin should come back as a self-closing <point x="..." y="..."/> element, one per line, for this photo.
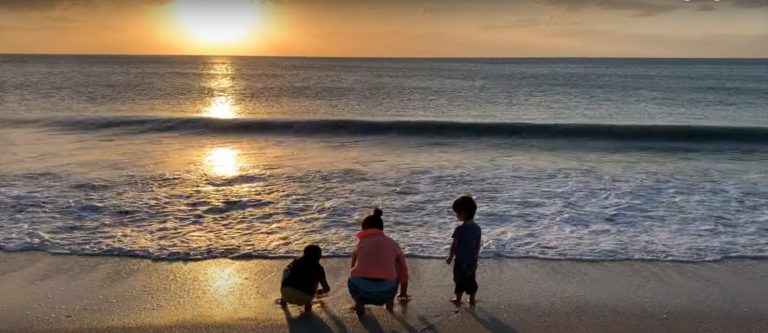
<point x="370" y="57"/>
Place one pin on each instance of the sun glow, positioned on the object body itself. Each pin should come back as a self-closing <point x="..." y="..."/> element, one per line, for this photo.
<point x="217" y="20"/>
<point x="223" y="161"/>
<point x="223" y="281"/>
<point x="221" y="107"/>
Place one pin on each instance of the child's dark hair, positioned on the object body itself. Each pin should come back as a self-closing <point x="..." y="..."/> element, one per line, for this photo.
<point x="466" y="206"/>
<point x="374" y="221"/>
<point x="313" y="252"/>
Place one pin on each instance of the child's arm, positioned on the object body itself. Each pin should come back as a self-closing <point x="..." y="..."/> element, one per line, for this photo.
<point x="403" y="274"/>
<point x="478" y="246"/>
<point x="287" y="270"/>
<point x="404" y="292"/>
<point x="326" y="288"/>
<point x="354" y="253"/>
<point x="454" y="247"/>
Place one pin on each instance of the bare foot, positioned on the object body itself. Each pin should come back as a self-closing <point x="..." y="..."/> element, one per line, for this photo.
<point x="308" y="308"/>
<point x="472" y="300"/>
<point x="390" y="306"/>
<point x="360" y="309"/>
<point x="456" y="301"/>
<point x="283" y="304"/>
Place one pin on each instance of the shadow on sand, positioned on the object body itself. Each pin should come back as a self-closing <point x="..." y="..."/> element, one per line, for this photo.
<point x="370" y="323"/>
<point x="340" y="327"/>
<point x="307" y="322"/>
<point x="428" y="325"/>
<point x="489" y="322"/>
<point x="312" y="322"/>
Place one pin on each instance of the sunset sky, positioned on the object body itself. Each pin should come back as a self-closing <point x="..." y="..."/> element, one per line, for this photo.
<point x="393" y="28"/>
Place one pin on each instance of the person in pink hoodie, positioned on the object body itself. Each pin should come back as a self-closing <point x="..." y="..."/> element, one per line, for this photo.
<point x="378" y="266"/>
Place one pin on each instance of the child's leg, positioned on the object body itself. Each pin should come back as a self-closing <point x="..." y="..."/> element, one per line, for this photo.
<point x="360" y="309"/>
<point x="458" y="279"/>
<point x="390" y="306"/>
<point x="472" y="283"/>
<point x="308" y="307"/>
<point x="457" y="300"/>
<point x="293" y="296"/>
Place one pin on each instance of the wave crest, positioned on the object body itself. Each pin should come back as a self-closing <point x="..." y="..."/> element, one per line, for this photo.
<point x="417" y="128"/>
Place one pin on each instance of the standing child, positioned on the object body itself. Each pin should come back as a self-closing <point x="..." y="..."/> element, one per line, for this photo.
<point x="301" y="278"/>
<point x="465" y="249"/>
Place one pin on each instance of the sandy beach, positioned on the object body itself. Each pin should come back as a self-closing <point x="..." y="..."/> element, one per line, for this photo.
<point x="54" y="293"/>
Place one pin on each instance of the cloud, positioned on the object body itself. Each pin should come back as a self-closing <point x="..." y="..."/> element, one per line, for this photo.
<point x="638" y="8"/>
<point x="426" y="11"/>
<point x="63" y="20"/>
<point x="592" y="42"/>
<point x="57" y="23"/>
<point x="54" y="28"/>
<point x="706" y="8"/>
<point x="749" y="3"/>
<point x="41" y="5"/>
<point x="530" y="22"/>
<point x="553" y="42"/>
<point x="24" y="5"/>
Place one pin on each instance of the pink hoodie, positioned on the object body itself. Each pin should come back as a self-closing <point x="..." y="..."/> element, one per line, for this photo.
<point x="378" y="257"/>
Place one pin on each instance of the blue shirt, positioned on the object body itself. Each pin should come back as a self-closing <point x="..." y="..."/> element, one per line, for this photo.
<point x="468" y="236"/>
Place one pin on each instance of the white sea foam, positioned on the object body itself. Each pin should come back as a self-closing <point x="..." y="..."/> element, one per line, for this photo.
<point x="568" y="212"/>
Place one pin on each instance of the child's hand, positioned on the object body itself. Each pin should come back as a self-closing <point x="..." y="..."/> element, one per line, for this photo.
<point x="449" y="260"/>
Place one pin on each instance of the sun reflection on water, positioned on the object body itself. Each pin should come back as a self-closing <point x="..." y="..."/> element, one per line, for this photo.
<point x="219" y="81"/>
<point x="222" y="107"/>
<point x="221" y="65"/>
<point x="223" y="161"/>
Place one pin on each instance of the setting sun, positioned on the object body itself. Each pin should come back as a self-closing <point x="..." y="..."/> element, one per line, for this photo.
<point x="217" y="21"/>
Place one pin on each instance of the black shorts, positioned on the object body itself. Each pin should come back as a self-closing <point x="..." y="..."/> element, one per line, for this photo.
<point x="464" y="277"/>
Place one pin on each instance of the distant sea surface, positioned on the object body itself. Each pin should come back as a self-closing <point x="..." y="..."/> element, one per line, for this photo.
<point x="207" y="157"/>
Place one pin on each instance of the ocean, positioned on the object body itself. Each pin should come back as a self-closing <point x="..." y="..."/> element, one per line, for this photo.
<point x="209" y="157"/>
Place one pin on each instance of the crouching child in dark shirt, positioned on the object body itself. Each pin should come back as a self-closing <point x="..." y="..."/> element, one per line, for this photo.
<point x="301" y="279"/>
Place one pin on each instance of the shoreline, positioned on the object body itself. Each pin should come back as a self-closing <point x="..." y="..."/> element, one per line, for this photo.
<point x="757" y="257"/>
<point x="45" y="292"/>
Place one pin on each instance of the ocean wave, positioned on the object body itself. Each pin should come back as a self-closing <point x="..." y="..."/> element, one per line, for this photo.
<point x="230" y="254"/>
<point x="413" y="128"/>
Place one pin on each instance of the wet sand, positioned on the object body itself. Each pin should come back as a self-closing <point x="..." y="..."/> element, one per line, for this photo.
<point x="40" y="292"/>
